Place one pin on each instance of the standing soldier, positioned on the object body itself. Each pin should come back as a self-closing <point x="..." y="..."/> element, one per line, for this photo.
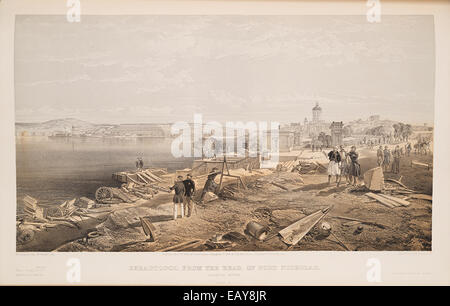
<point x="333" y="166"/>
<point x="386" y="159"/>
<point x="354" y="169"/>
<point x="189" y="189"/>
<point x="408" y="148"/>
<point x="380" y="156"/>
<point x="396" y="164"/>
<point x="178" y="196"/>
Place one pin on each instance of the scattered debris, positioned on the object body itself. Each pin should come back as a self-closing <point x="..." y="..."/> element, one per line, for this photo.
<point x="398" y="182"/>
<point x="358" y="230"/>
<point x="339" y="241"/>
<point x="84" y="202"/>
<point x="324" y="229"/>
<point x="400" y="202"/>
<point x="32" y="208"/>
<point x="209" y="197"/>
<point x="257" y="230"/>
<point x="361" y="221"/>
<point x="382" y="200"/>
<point x="216" y="242"/>
<point x="235" y="237"/>
<point x="416" y="163"/>
<point x="351" y="223"/>
<point x="420" y="196"/>
<point x="292" y="234"/>
<point x="148" y="227"/>
<point x="182" y="246"/>
<point x="280" y="186"/>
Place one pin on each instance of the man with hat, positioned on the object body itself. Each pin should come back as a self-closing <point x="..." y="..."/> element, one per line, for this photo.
<point x="189" y="189"/>
<point x="210" y="185"/>
<point x="178" y="197"/>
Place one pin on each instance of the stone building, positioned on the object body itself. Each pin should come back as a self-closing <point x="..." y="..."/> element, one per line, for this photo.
<point x="336" y="133"/>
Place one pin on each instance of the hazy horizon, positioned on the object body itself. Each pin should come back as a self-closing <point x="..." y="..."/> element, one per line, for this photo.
<point x="163" y="69"/>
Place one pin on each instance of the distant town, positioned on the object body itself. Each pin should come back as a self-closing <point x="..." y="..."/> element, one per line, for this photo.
<point x="313" y="132"/>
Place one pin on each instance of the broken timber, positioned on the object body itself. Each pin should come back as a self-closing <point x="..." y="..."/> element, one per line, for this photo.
<point x="397" y="200"/>
<point x="416" y="163"/>
<point x="182" y="246"/>
<point x="148" y="227"/>
<point x="362" y="221"/>
<point x="420" y="196"/>
<point x="400" y="183"/>
<point x="292" y="234"/>
<point x="382" y="200"/>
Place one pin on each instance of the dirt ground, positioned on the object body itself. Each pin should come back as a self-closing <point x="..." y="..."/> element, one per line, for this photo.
<point x="405" y="228"/>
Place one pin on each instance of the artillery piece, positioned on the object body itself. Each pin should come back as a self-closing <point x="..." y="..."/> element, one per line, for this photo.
<point x="142" y="183"/>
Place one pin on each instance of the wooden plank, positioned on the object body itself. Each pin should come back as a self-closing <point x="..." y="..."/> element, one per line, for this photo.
<point x="147" y="177"/>
<point x="295" y="232"/>
<point x="280" y="186"/>
<point x="181" y="245"/>
<point x="351" y="223"/>
<point x="421" y="196"/>
<point x="416" y="163"/>
<point x="382" y="200"/>
<point x="362" y="221"/>
<point x="395" y="181"/>
<point x="142" y="178"/>
<point x="398" y="200"/>
<point x="153" y="176"/>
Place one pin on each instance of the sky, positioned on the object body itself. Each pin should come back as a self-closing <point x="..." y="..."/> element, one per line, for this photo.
<point x="163" y="69"/>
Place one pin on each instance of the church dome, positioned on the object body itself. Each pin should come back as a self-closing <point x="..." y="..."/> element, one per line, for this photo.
<point x="317" y="107"/>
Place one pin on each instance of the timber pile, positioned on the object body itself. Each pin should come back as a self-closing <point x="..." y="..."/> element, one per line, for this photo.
<point x="292" y="234"/>
<point x="287" y="166"/>
<point x="47" y="217"/>
<point x="387" y="200"/>
<point x="138" y="185"/>
<point x="389" y="196"/>
<point x="309" y="167"/>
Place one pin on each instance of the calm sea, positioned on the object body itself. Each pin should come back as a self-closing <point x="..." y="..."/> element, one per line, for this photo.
<point x="53" y="170"/>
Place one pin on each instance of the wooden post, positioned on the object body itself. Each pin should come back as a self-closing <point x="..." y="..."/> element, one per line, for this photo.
<point x="221" y="174"/>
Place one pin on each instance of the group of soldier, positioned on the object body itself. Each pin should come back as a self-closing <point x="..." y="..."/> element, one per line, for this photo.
<point x="384" y="157"/>
<point x="343" y="163"/>
<point x="184" y="193"/>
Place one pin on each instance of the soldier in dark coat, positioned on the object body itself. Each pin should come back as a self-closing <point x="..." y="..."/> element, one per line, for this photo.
<point x="387" y="158"/>
<point x="396" y="163"/>
<point x="189" y="189"/>
<point x="355" y="168"/>
<point x="178" y="197"/>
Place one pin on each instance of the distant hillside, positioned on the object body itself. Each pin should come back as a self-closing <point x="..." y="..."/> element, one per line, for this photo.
<point x="53" y="126"/>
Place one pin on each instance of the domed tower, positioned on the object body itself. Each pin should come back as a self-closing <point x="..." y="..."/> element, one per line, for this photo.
<point x="317" y="113"/>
